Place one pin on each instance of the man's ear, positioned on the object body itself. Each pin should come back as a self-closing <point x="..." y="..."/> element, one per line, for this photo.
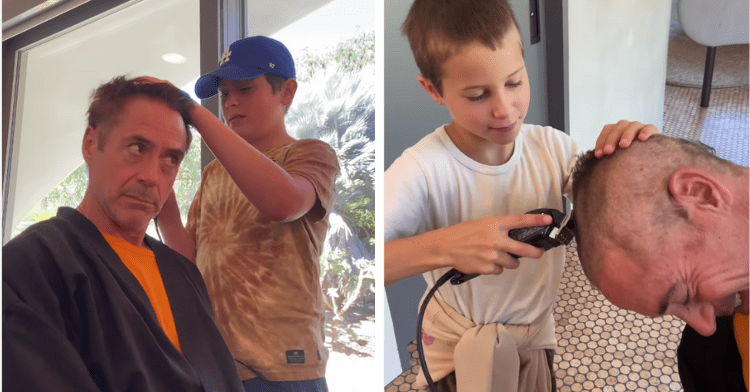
<point x="697" y="191"/>
<point x="288" y="89"/>
<point x="430" y="88"/>
<point x="90" y="143"/>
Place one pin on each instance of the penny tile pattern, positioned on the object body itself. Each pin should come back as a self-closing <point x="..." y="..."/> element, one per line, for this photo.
<point x="602" y="348"/>
<point x="723" y="125"/>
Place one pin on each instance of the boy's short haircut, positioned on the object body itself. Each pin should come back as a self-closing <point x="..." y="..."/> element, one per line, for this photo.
<point x="438" y="29"/>
<point x="276" y="82"/>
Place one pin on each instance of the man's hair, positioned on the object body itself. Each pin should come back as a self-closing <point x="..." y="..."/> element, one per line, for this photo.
<point x="108" y="100"/>
<point x="606" y="190"/>
<point x="438" y="29"/>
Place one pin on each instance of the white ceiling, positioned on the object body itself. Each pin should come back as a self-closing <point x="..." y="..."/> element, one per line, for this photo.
<point x="61" y="73"/>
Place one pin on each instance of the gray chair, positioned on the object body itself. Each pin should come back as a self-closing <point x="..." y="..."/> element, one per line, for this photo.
<point x="714" y="23"/>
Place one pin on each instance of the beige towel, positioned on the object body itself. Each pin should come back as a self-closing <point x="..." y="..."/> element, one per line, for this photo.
<point x="486" y="358"/>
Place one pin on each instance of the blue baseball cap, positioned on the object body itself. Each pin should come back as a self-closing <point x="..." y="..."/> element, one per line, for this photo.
<point x="247" y="59"/>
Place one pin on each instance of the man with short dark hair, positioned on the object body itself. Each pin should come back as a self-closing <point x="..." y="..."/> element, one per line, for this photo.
<point x="662" y="228"/>
<point x="92" y="303"/>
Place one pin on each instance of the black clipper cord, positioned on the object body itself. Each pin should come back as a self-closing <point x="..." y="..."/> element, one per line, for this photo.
<point x="560" y="232"/>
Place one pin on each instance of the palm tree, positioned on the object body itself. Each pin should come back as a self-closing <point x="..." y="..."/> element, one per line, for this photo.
<point x="338" y="108"/>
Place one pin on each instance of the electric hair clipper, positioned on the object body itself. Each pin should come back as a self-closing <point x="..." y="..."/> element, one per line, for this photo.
<point x="560" y="232"/>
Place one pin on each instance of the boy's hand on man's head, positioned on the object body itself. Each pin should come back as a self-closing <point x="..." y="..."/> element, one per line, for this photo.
<point x="483" y="246"/>
<point x="621" y="134"/>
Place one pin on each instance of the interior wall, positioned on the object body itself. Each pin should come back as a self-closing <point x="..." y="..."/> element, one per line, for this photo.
<point x="617" y="64"/>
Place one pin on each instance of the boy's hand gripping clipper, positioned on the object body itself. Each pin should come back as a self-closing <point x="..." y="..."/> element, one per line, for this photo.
<point x="560" y="232"/>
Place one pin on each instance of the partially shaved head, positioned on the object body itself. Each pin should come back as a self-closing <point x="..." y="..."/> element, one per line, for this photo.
<point x="622" y="201"/>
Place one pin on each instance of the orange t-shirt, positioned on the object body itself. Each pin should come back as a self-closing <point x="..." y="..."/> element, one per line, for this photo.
<point x="741" y="331"/>
<point x="142" y="264"/>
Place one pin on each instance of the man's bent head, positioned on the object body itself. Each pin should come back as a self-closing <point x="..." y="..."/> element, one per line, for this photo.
<point x="648" y="221"/>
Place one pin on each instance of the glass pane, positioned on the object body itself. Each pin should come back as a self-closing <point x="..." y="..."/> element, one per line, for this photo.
<point x="334" y="53"/>
<point x="58" y="78"/>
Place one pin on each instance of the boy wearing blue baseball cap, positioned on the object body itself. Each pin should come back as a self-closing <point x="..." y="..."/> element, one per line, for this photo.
<point x="256" y="226"/>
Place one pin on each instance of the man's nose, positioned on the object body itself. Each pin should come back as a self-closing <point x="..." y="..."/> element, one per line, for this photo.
<point x="702" y="318"/>
<point x="149" y="170"/>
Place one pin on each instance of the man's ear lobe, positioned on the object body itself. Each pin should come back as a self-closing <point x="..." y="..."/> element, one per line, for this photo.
<point x="431" y="90"/>
<point x="699" y="189"/>
<point x="90" y="142"/>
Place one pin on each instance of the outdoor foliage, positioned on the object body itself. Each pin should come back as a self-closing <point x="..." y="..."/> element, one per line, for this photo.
<point x="189" y="177"/>
<point x="67" y="193"/>
<point x="349" y="56"/>
<point x="338" y="108"/>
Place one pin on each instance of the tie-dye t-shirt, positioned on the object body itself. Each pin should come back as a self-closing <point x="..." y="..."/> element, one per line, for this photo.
<point x="264" y="277"/>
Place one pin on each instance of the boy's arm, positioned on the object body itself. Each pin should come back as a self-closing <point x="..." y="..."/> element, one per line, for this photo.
<point x="475" y="247"/>
<point x="621" y="134"/>
<point x="277" y="195"/>
<point x="170" y="226"/>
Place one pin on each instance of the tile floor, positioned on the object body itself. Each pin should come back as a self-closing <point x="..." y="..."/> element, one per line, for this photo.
<point x="605" y="349"/>
<point x="602" y="348"/>
<point x="723" y="125"/>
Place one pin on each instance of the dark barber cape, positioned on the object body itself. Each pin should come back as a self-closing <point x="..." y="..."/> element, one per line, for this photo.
<point x="710" y="363"/>
<point x="76" y="319"/>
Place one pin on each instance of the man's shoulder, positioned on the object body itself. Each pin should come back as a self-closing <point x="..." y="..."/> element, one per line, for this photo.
<point x="163" y="253"/>
<point x="44" y="249"/>
<point x="55" y="230"/>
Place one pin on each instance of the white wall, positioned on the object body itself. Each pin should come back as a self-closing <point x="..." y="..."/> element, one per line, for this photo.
<point x="617" y="58"/>
<point x="391" y="361"/>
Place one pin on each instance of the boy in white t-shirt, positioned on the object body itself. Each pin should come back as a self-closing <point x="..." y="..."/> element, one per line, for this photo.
<point x="451" y="199"/>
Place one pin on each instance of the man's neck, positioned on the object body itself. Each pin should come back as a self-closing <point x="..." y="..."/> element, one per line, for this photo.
<point x="92" y="212"/>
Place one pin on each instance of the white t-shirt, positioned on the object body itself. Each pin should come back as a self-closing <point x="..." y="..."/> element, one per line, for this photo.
<point x="434" y="185"/>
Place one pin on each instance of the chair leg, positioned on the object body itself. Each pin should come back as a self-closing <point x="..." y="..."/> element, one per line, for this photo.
<point x="708" y="74"/>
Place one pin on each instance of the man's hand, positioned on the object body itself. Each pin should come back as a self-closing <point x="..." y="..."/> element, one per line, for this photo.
<point x="621" y="134"/>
